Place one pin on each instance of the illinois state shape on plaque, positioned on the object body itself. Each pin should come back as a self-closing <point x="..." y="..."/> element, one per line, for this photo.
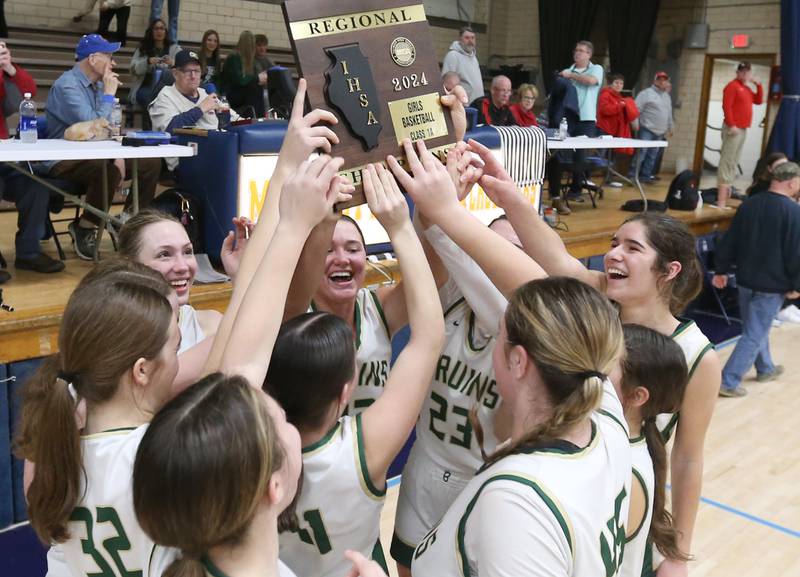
<point x="351" y="90"/>
<point x="372" y="63"/>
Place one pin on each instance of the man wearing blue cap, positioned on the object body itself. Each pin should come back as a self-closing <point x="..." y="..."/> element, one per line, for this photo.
<point x="86" y="92"/>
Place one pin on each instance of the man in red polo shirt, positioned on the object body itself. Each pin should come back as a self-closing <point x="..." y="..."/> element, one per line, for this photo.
<point x="737" y="106"/>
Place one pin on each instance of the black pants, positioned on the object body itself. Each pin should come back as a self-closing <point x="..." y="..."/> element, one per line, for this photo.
<point x="582" y="128"/>
<point x="122" y="15"/>
<point x="241" y="98"/>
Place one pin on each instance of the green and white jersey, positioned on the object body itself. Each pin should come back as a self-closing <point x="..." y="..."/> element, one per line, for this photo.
<point x="373" y="350"/>
<point x="339" y="508"/>
<point x="189" y="325"/>
<point x="464" y="378"/>
<point x="105" y="538"/>
<point x="636" y="545"/>
<point x="550" y="510"/>
<point x="214" y="571"/>
<point x="694" y="345"/>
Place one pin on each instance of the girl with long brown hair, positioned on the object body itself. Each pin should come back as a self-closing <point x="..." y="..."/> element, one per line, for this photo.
<point x="651" y="380"/>
<point x="239" y="80"/>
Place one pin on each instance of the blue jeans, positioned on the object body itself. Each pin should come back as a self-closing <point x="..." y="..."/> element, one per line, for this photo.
<point x="173" y="6"/>
<point x="646" y="157"/>
<point x="757" y="310"/>
<point x="32" y="201"/>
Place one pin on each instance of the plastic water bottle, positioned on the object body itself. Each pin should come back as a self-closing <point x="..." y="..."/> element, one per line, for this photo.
<point x="116" y="119"/>
<point x="563" y="129"/>
<point x="28" y="133"/>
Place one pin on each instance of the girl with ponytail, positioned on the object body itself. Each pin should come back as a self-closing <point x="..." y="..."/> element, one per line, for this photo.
<point x="553" y="500"/>
<point x="652" y="273"/>
<point x="652" y="381"/>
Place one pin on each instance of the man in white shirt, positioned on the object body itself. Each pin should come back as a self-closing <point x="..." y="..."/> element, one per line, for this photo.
<point x="462" y="59"/>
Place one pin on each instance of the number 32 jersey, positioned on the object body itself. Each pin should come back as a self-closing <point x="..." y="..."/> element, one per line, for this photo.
<point x="551" y="510"/>
<point x="105" y="537"/>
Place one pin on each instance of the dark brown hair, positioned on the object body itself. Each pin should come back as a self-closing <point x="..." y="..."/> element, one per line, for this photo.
<point x="573" y="335"/>
<point x="657" y="363"/>
<point x="202" y="53"/>
<point x="203" y="468"/>
<point x="673" y="241"/>
<point x="313" y="359"/>
<point x="116" y="315"/>
<point x="130" y="236"/>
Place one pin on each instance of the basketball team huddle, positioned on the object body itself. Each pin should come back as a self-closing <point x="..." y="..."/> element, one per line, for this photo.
<point x="163" y="440"/>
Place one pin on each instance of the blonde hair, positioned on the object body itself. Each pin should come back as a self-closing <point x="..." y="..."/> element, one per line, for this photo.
<point x="203" y="468"/>
<point x="573" y="335"/>
<point x="523" y="88"/>
<point x="246" y="47"/>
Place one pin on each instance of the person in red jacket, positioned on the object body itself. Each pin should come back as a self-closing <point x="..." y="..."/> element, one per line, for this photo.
<point x="31" y="198"/>
<point x="17" y="76"/>
<point x="615" y="113"/>
<point x="522" y="109"/>
<point x="737" y="106"/>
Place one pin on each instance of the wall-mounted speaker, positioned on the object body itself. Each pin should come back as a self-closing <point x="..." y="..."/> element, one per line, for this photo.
<point x="697" y="35"/>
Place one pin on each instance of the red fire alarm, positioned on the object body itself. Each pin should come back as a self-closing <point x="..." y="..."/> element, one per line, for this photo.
<point x="740" y="41"/>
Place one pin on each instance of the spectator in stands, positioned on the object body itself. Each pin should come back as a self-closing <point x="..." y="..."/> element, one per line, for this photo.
<point x="762" y="175"/>
<point x="763" y="243"/>
<point x="173" y="7"/>
<point x="30" y="197"/>
<point x="121" y="9"/>
<point x="655" y="123"/>
<point x="263" y="64"/>
<point x="86" y="92"/>
<point x="737" y="107"/>
<point x="184" y="103"/>
<point x="151" y="64"/>
<point x="239" y="80"/>
<point x="562" y="104"/>
<point x="587" y="78"/>
<point x="494" y="109"/>
<point x="522" y="109"/>
<point x="210" y="60"/>
<point x="462" y="58"/>
<point x="615" y="113"/>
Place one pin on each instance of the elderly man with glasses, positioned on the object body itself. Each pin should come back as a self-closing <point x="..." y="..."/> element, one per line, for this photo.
<point x="185" y="103"/>
<point x="494" y="109"/>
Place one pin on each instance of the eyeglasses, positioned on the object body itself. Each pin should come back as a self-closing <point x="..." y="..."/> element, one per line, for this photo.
<point x="531" y="98"/>
<point x="502" y="90"/>
<point x="191" y="71"/>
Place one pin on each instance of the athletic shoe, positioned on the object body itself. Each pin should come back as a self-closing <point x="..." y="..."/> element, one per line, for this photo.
<point x="790" y="314"/>
<point x="739" y="391"/>
<point x="614" y="184"/>
<point x="561" y="206"/>
<point x="84" y="240"/>
<point x="767" y="377"/>
<point x="41" y="263"/>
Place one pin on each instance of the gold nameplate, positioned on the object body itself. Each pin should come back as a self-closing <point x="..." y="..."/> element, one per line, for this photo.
<point x="357" y="21"/>
<point x="418" y="118"/>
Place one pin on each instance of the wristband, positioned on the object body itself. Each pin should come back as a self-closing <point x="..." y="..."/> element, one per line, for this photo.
<point x="108" y="98"/>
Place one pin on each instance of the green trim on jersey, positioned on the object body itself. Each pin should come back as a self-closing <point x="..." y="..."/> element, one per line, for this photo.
<point x="357" y="323"/>
<point x="615" y="419"/>
<point x="361" y="462"/>
<point x="470" y="329"/>
<point x="314" y="447"/>
<point x="212" y="569"/>
<point x="379" y="557"/>
<point x="378" y="306"/>
<point x="699" y="358"/>
<point x="551" y="503"/>
<point x="647" y="564"/>
<point x="639" y="477"/>
<point x="454" y="306"/>
<point x="666" y="434"/>
<point x="109" y="433"/>
<point x="683" y="324"/>
<point x="560" y="447"/>
<point x="636" y="440"/>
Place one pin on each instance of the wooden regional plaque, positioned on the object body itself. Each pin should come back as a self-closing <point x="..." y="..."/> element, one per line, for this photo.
<point x="371" y="63"/>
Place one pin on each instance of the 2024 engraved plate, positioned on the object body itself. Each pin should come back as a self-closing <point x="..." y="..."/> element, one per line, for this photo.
<point x="372" y="63"/>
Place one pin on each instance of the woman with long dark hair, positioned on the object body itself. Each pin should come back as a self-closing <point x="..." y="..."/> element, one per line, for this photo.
<point x="151" y="63"/>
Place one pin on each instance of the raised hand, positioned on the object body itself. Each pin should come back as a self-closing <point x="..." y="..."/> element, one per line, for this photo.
<point x="495" y="181"/>
<point x="464" y="169"/>
<point x="384" y="198"/>
<point x="429" y="183"/>
<point x="110" y="81"/>
<point x="309" y="194"/>
<point x="234" y="244"/>
<point x="455" y="101"/>
<point x="302" y="137"/>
